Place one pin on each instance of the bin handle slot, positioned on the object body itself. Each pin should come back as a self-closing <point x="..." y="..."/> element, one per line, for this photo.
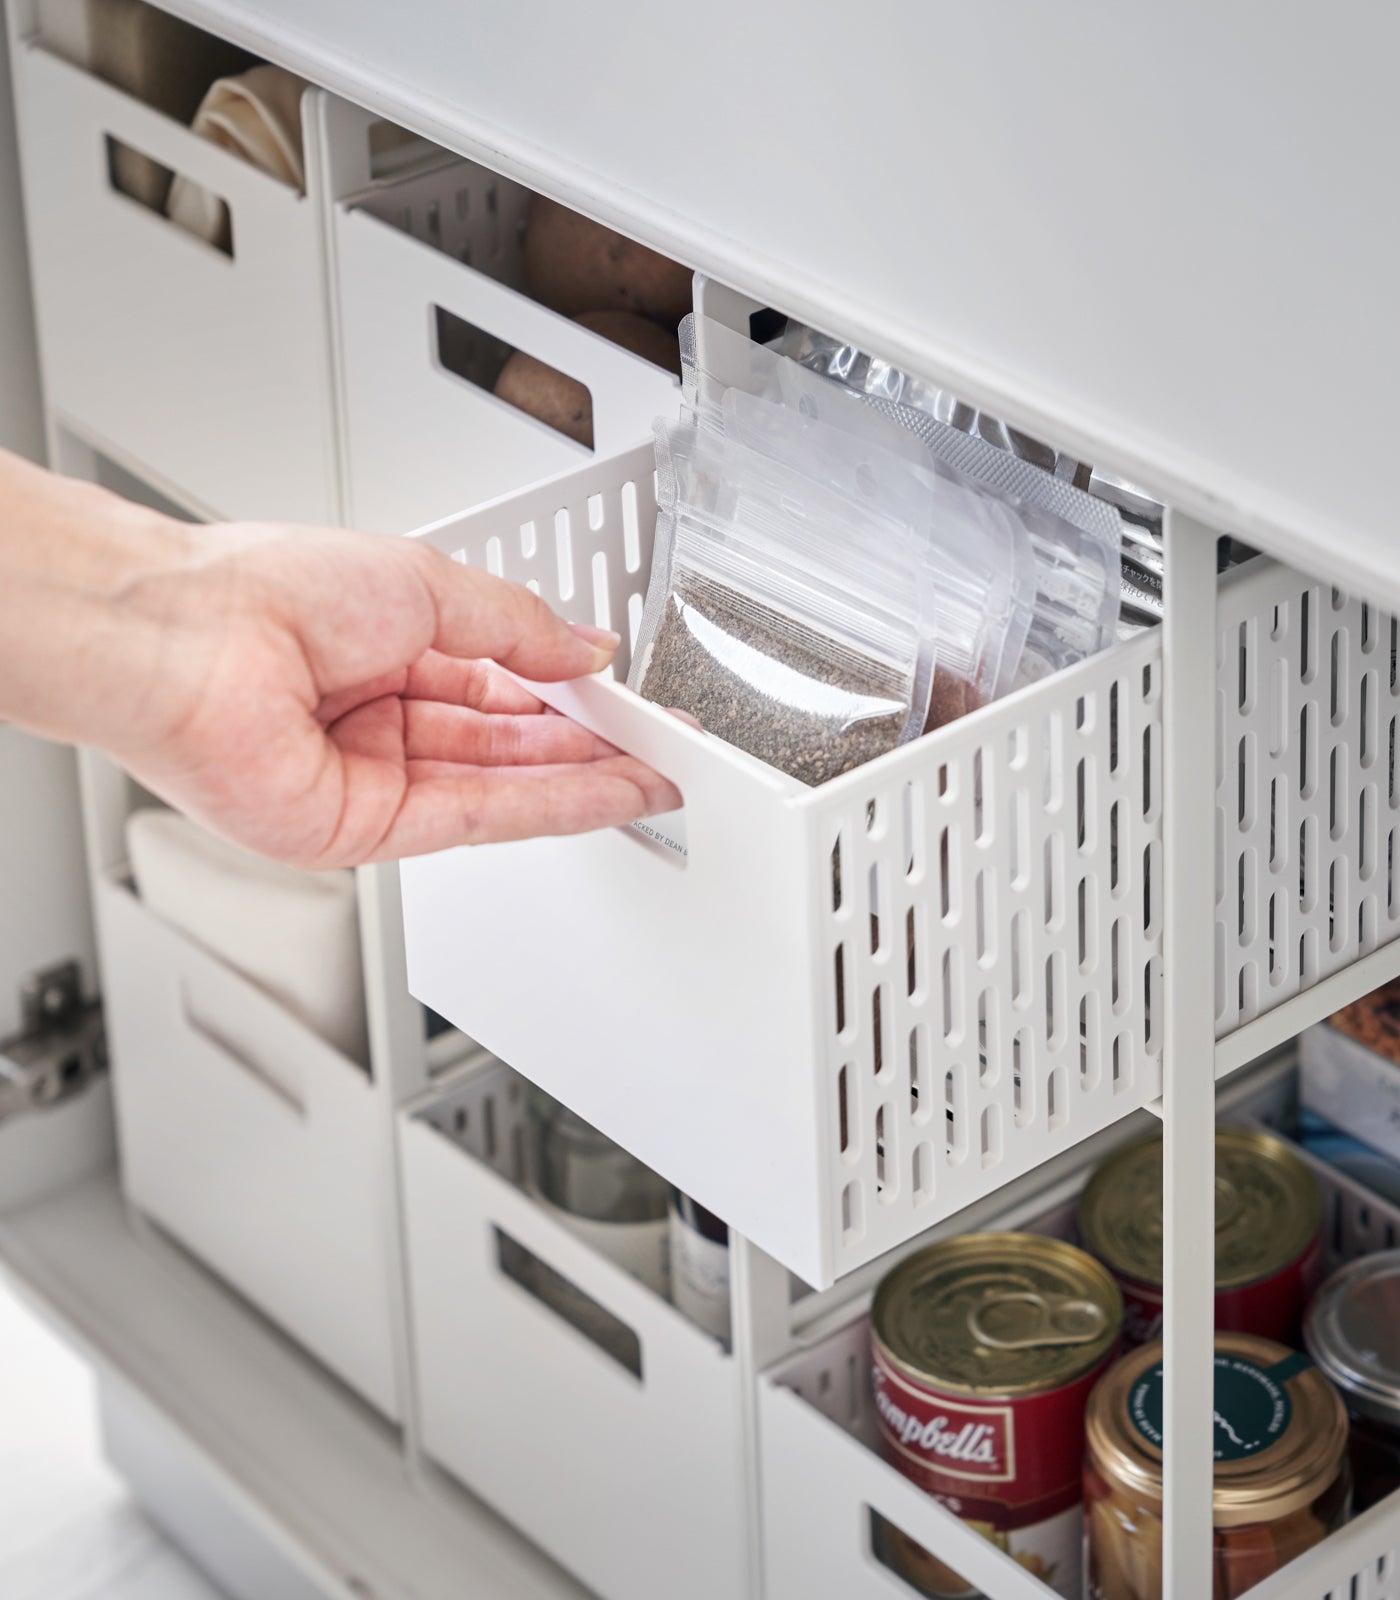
<point x="217" y="1039"/>
<point x="571" y="1304"/>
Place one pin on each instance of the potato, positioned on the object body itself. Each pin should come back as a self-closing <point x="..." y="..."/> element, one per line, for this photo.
<point x="547" y="395"/>
<point x="573" y="264"/>
<point x="564" y="403"/>
<point x="643" y="338"/>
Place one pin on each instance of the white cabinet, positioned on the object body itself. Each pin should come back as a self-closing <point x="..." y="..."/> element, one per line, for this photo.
<point x="208" y="372"/>
<point x="920" y="997"/>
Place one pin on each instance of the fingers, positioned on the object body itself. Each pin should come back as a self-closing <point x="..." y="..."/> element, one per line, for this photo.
<point x="360" y="607"/>
<point x="446" y="807"/>
<point x="477" y="684"/>
<point x="478" y="615"/>
<point x="335" y="706"/>
<point x="480" y="684"/>
<point x="437" y="732"/>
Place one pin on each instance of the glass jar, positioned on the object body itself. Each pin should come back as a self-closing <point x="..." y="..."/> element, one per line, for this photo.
<point x="598" y="1190"/>
<point x="1353" y="1333"/>
<point x="1282" y="1480"/>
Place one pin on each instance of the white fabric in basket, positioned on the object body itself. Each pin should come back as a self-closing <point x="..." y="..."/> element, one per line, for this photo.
<point x="294" y="934"/>
<point x="256" y="115"/>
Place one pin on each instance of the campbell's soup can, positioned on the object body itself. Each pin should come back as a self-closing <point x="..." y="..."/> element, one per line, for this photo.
<point x="985" y="1349"/>
<point x="1268" y="1226"/>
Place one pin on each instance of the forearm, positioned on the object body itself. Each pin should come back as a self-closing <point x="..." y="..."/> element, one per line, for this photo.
<point x="77" y="535"/>
<point x="72" y="656"/>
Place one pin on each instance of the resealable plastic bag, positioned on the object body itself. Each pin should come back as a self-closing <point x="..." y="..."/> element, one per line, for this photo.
<point x="1075" y="540"/>
<point x="977" y="551"/>
<point x="779" y="622"/>
<point x="913" y="400"/>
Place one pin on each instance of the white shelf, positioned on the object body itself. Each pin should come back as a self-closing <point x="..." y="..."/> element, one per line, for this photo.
<point x="1158" y="240"/>
<point x="307" y="1462"/>
<point x="1171" y="275"/>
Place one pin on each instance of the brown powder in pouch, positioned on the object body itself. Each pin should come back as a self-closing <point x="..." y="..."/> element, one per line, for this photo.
<point x="773" y="687"/>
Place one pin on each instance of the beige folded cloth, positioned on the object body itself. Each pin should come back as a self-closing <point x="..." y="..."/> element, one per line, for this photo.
<point x="148" y="54"/>
<point x="294" y="934"/>
<point x="257" y="116"/>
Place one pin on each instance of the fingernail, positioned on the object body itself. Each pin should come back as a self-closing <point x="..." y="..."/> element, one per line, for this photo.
<point x="599" y="638"/>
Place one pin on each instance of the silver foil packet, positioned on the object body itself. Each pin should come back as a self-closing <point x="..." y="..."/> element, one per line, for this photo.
<point x="909" y="399"/>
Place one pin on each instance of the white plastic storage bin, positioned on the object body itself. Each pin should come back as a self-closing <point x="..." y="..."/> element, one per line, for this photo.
<point x="810" y="1065"/>
<point x="822" y="1474"/>
<point x="421" y="439"/>
<point x="628" y="1474"/>
<point x="1308" y="792"/>
<point x="207" y="372"/>
<point x="251" y="1141"/>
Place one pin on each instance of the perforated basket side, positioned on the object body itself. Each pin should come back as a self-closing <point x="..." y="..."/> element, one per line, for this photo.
<point x="990" y="946"/>
<point x="1307" y="798"/>
<point x="470" y="213"/>
<point x="581" y="541"/>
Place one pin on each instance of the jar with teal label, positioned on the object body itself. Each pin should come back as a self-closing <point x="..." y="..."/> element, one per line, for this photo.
<point x="1282" y="1482"/>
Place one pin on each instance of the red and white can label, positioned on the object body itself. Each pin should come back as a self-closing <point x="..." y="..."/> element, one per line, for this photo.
<point x="1006" y="1462"/>
<point x="1270" y="1308"/>
<point x="930" y="1433"/>
<point x="1011" y="1468"/>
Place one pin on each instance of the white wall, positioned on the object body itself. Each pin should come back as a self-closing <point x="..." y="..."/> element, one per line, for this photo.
<point x="20" y="418"/>
<point x="44" y="909"/>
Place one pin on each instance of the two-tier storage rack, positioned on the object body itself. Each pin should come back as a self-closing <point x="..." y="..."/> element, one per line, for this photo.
<point x="917" y="1000"/>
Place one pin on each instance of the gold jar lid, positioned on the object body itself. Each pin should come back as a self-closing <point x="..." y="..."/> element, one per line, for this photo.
<point x="996" y="1314"/>
<point x="1267" y="1209"/>
<point x="1280" y="1429"/>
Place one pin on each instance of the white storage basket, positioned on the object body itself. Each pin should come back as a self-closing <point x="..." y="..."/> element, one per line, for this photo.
<point x="251" y="1141"/>
<point x="422" y="440"/>
<point x="211" y="374"/>
<point x="728" y="1021"/>
<point x="630" y="1478"/>
<point x="822" y="1474"/>
<point x="1308" y="795"/>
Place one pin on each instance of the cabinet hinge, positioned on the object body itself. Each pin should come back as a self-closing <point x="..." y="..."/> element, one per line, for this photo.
<point x="61" y="1044"/>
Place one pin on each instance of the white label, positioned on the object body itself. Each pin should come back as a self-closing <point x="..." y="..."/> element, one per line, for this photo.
<point x="667" y="832"/>
<point x="1051" y="1551"/>
<point x="700" y="1278"/>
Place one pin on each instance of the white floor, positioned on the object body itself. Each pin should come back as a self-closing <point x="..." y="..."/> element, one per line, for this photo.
<point x="68" y="1528"/>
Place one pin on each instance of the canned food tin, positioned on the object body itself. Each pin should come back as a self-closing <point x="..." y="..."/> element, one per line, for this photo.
<point x="1281" y="1482"/>
<point x="1268" y="1218"/>
<point x="985" y="1350"/>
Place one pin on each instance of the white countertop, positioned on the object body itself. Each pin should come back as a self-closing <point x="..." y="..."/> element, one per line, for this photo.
<point x="1164" y="238"/>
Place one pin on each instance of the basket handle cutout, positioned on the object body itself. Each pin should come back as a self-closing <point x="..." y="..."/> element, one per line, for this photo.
<point x="561" y="1296"/>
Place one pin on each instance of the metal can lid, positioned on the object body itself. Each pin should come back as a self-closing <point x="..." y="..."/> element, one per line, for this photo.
<point x="996" y="1314"/>
<point x="1280" y="1429"/>
<point x="1352" y="1331"/>
<point x="1267" y="1209"/>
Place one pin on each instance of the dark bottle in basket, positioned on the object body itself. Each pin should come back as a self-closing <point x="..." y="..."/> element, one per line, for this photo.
<point x="700" y="1265"/>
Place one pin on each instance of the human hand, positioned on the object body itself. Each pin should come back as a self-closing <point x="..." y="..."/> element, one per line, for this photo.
<point x="323" y="697"/>
<point x="330" y="698"/>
